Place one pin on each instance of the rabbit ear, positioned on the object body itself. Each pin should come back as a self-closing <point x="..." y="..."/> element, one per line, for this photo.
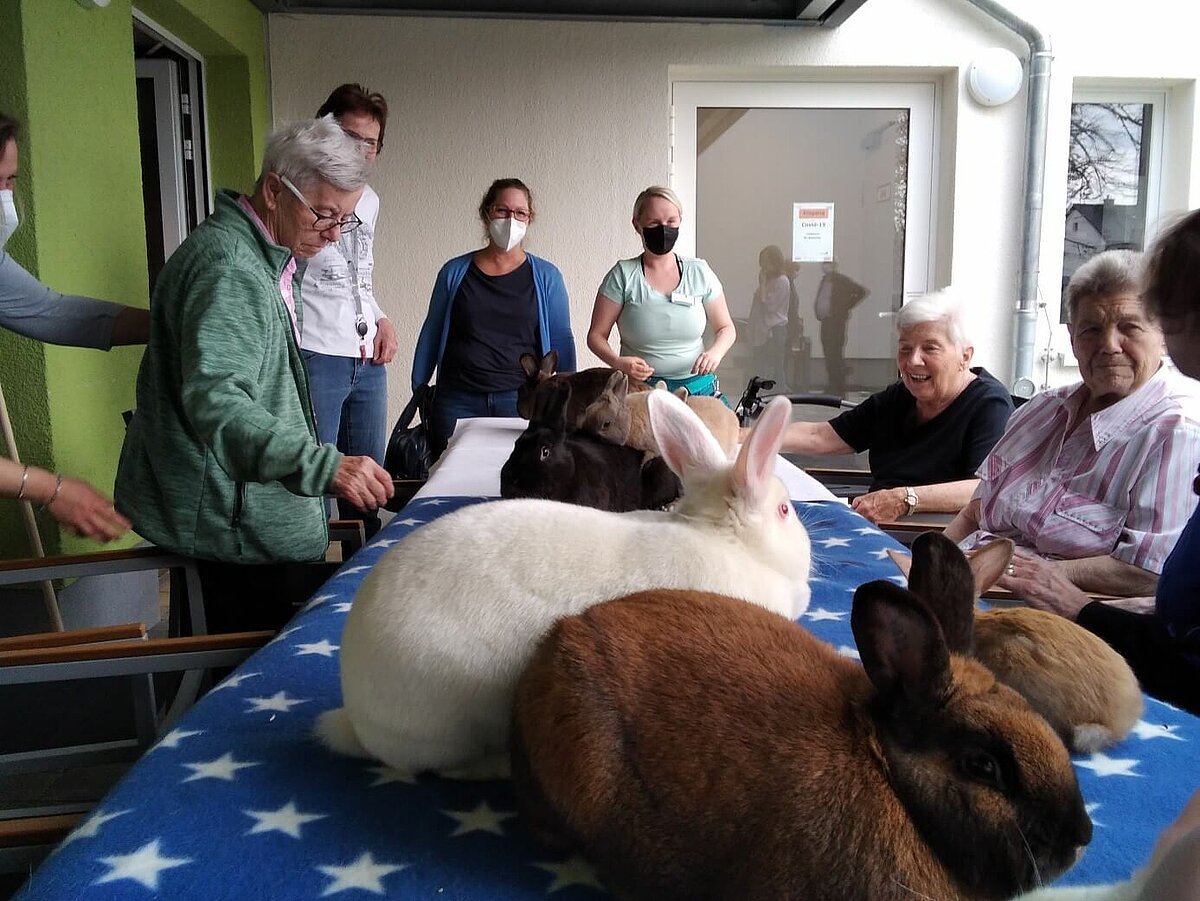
<point x="617" y="384"/>
<point x="550" y="403"/>
<point x="942" y="579"/>
<point x="529" y="364"/>
<point x="684" y="442"/>
<point x="988" y="563"/>
<point x="549" y="364"/>
<point x="901" y="645"/>
<point x="755" y="463"/>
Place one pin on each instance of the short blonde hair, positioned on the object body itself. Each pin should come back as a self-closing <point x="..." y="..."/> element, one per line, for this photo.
<point x="656" y="191"/>
<point x="940" y="307"/>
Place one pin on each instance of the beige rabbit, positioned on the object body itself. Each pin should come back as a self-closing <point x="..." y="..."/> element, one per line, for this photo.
<point x="719" y="419"/>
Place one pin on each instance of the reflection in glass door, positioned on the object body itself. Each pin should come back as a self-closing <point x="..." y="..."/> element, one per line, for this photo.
<point x="812" y="204"/>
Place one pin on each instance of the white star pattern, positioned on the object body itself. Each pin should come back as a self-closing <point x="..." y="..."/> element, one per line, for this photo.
<point x="224" y="767"/>
<point x="235" y="681"/>
<point x="433" y="502"/>
<point x="1146" y="730"/>
<point x="142" y="866"/>
<point x="364" y="873"/>
<point x="821" y="615"/>
<point x="286" y="632"/>
<point x="881" y="554"/>
<point x="866" y="531"/>
<point x="481" y="819"/>
<point x="287" y="819"/>
<point x="175" y="736"/>
<point x="91" y="826"/>
<point x="343" y="607"/>
<point x="1103" y="765"/>
<point x="349" y="570"/>
<point x="385" y="775"/>
<point x="386" y="542"/>
<point x="411" y="522"/>
<point x="573" y="871"/>
<point x="1096" y="805"/>
<point x="279" y="702"/>
<point x="847" y="651"/>
<point x="321" y="599"/>
<point x="835" y="542"/>
<point x="322" y="647"/>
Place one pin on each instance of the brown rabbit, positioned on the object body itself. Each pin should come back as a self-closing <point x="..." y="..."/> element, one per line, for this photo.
<point x="1083" y="688"/>
<point x="597" y="396"/>
<point x="696" y="748"/>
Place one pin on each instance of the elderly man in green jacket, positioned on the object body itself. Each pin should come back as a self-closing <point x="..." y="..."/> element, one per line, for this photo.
<point x="221" y="461"/>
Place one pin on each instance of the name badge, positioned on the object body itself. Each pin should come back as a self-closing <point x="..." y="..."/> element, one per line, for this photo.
<point x="684" y="300"/>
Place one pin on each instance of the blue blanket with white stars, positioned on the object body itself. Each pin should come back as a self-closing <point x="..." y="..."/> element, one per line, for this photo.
<point x="238" y="802"/>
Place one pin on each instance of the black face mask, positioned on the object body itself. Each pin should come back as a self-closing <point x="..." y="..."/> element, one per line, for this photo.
<point x="660" y="238"/>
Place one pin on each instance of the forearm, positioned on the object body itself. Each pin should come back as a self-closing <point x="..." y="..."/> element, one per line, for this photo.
<point x="598" y="344"/>
<point x="966" y="522"/>
<point x="723" y="339"/>
<point x="132" y="326"/>
<point x="945" y="497"/>
<point x="813" y="438"/>
<point x="1108" y="575"/>
<point x="31" y="483"/>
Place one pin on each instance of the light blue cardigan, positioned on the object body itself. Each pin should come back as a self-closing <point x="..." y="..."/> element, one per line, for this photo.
<point x="554" y="316"/>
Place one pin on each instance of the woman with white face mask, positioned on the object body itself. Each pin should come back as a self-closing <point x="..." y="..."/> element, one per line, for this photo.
<point x="661" y="303"/>
<point x="28" y="307"/>
<point x="487" y="308"/>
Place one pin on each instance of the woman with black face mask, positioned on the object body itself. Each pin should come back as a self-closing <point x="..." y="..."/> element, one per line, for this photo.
<point x="663" y="302"/>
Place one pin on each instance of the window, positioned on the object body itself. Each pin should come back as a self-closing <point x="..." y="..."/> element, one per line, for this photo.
<point x="1114" y="169"/>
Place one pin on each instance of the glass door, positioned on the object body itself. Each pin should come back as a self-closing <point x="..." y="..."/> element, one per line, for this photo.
<point x="827" y="185"/>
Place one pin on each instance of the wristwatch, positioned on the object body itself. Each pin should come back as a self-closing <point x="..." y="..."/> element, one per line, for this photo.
<point x="910" y="498"/>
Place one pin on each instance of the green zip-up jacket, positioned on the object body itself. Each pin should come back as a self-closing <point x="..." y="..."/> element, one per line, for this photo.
<point x="221" y="459"/>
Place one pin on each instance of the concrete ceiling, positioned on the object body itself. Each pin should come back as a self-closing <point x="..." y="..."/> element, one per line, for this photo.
<point x="811" y="13"/>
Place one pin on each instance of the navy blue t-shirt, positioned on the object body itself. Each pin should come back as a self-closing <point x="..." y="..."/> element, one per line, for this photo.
<point x="947" y="448"/>
<point x="493" y="320"/>
<point x="1177" y="600"/>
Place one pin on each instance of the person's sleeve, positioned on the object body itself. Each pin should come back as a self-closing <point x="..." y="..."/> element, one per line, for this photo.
<point x="1160" y="499"/>
<point x="425" y="354"/>
<point x="223" y="329"/>
<point x="984" y="430"/>
<point x="854" y="425"/>
<point x="778" y="296"/>
<point x="613" y="286"/>
<point x="29" y="308"/>
<point x="559" y="306"/>
<point x="712" y="285"/>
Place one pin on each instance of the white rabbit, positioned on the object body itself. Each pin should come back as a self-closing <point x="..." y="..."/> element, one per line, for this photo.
<point x="443" y="625"/>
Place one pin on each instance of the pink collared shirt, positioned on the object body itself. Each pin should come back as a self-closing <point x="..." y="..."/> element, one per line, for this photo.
<point x="285" y="279"/>
<point x="1117" y="485"/>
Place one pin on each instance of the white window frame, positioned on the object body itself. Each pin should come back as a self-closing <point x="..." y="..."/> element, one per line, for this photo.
<point x="920" y="98"/>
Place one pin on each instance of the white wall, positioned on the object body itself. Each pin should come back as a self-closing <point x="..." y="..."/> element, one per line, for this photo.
<point x="581" y="111"/>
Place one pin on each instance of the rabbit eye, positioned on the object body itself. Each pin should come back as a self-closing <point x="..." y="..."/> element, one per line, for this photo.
<point x="545" y="451"/>
<point x="784" y="509"/>
<point x="982" y="767"/>
<point x="607" y="425"/>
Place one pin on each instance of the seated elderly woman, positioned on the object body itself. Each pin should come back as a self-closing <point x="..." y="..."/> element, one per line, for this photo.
<point x="929" y="431"/>
<point x="221" y="461"/>
<point x="1087" y="478"/>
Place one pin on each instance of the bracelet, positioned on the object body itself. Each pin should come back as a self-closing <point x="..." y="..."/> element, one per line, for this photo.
<point x="24" y="479"/>
<point x="58" y="483"/>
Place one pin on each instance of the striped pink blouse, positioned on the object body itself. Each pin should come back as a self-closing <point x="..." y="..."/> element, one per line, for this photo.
<point x="1119" y="484"/>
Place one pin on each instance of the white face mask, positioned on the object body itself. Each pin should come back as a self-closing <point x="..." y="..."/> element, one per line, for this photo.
<point x="507" y="233"/>
<point x="8" y="216"/>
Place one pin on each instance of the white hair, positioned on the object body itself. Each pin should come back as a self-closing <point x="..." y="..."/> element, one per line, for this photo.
<point x="939" y="307"/>
<point x="316" y="150"/>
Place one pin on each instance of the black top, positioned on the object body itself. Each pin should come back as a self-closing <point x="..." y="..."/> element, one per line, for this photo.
<point x="493" y="320"/>
<point x="947" y="448"/>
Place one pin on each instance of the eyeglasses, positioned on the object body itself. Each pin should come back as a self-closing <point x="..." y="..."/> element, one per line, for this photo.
<point x="503" y="212"/>
<point x="371" y="143"/>
<point x="323" y="223"/>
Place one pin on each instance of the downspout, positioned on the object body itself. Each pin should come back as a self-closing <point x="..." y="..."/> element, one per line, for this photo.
<point x="1026" y="313"/>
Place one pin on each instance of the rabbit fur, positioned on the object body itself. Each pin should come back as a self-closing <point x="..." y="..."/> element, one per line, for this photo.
<point x="1084" y="688"/>
<point x="719" y="419"/>
<point x="597" y="399"/>
<point x="578" y="467"/>
<point x="693" y="747"/>
<point x="444" y="622"/>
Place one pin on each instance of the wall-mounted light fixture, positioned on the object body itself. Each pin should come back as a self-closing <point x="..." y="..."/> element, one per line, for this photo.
<point x="994" y="77"/>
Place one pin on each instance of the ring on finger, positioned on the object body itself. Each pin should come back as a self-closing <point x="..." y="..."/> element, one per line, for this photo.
<point x="1010" y="570"/>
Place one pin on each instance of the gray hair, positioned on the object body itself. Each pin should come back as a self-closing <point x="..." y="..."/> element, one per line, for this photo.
<point x="939" y="307"/>
<point x="1107" y="274"/>
<point x="315" y="150"/>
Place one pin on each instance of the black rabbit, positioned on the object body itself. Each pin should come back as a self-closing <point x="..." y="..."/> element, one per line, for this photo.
<point x="579" y="468"/>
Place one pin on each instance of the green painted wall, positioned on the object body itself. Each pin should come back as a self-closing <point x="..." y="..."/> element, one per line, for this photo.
<point x="68" y="74"/>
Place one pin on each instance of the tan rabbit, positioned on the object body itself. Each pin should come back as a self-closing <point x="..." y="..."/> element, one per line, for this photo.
<point x="719" y="419"/>
<point x="697" y="748"/>
<point x="1082" y="686"/>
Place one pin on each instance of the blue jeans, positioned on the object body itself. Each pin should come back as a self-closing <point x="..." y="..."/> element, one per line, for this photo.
<point x="349" y="398"/>
<point x="452" y="404"/>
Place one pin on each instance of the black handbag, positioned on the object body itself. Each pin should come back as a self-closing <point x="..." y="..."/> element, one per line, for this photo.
<point x="408" y="454"/>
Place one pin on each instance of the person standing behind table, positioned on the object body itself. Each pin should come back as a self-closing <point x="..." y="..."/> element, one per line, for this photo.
<point x="347" y="339"/>
<point x="837" y="295"/>
<point x="487" y="308"/>
<point x="661" y="303"/>
<point x="769" y="316"/>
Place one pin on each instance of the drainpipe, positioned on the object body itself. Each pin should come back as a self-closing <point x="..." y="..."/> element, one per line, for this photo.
<point x="1026" y="313"/>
